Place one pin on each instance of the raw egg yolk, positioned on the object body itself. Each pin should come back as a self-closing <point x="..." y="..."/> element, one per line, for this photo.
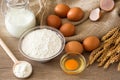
<point x="71" y="64"/>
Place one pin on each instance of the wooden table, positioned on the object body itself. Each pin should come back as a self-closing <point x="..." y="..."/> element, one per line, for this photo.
<point x="50" y="70"/>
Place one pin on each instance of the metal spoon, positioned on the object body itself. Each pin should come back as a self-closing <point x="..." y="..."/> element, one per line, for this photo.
<point x="16" y="62"/>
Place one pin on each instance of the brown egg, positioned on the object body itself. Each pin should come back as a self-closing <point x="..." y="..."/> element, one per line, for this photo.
<point x="54" y="21"/>
<point x="61" y="10"/>
<point x="90" y="43"/>
<point x="75" y="14"/>
<point x="74" y="46"/>
<point x="67" y="29"/>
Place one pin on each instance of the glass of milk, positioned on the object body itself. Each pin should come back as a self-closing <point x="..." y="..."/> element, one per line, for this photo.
<point x="18" y="17"/>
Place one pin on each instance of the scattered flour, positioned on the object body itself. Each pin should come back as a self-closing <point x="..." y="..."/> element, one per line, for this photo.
<point x="41" y="44"/>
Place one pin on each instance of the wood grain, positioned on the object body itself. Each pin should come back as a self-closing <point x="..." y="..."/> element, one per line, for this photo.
<point x="50" y="70"/>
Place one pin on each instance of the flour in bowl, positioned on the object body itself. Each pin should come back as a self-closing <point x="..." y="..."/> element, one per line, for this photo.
<point x="41" y="44"/>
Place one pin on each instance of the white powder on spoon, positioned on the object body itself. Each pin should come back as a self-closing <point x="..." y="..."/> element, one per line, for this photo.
<point x="22" y="69"/>
<point x="41" y="44"/>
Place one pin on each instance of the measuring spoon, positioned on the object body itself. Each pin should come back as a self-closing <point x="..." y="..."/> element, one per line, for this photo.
<point x="21" y="69"/>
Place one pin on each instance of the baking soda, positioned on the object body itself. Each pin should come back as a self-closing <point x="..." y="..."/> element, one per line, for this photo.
<point x="22" y="70"/>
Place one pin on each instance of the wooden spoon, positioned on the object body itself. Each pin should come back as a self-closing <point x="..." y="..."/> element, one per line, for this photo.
<point x="14" y="59"/>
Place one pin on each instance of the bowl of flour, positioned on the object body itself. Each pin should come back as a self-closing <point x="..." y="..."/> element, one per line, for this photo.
<point x="41" y="44"/>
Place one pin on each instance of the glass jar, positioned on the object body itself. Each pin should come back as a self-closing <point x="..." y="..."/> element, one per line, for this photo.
<point x="18" y="16"/>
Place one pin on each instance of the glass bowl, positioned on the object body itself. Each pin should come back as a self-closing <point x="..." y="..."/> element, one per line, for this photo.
<point x="73" y="56"/>
<point x="37" y="28"/>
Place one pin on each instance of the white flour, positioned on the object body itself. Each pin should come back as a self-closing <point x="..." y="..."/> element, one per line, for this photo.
<point x="41" y="44"/>
<point x="22" y="70"/>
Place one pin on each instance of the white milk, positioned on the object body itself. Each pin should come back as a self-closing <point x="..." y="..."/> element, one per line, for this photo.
<point x="19" y="20"/>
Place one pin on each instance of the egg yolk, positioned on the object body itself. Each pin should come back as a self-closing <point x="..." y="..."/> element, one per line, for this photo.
<point x="71" y="64"/>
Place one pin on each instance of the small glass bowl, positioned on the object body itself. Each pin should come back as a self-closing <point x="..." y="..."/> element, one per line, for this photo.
<point x="78" y="57"/>
<point x="37" y="28"/>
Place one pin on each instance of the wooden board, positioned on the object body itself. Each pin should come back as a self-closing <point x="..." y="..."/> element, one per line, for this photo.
<point x="50" y="70"/>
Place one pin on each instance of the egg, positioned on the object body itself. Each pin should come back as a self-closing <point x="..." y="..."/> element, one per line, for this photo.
<point x="74" y="46"/>
<point x="54" y="21"/>
<point x="61" y="10"/>
<point x="75" y="14"/>
<point x="90" y="43"/>
<point x="67" y="29"/>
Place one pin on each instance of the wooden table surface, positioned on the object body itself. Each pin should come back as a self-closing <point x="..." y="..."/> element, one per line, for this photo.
<point x="50" y="70"/>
